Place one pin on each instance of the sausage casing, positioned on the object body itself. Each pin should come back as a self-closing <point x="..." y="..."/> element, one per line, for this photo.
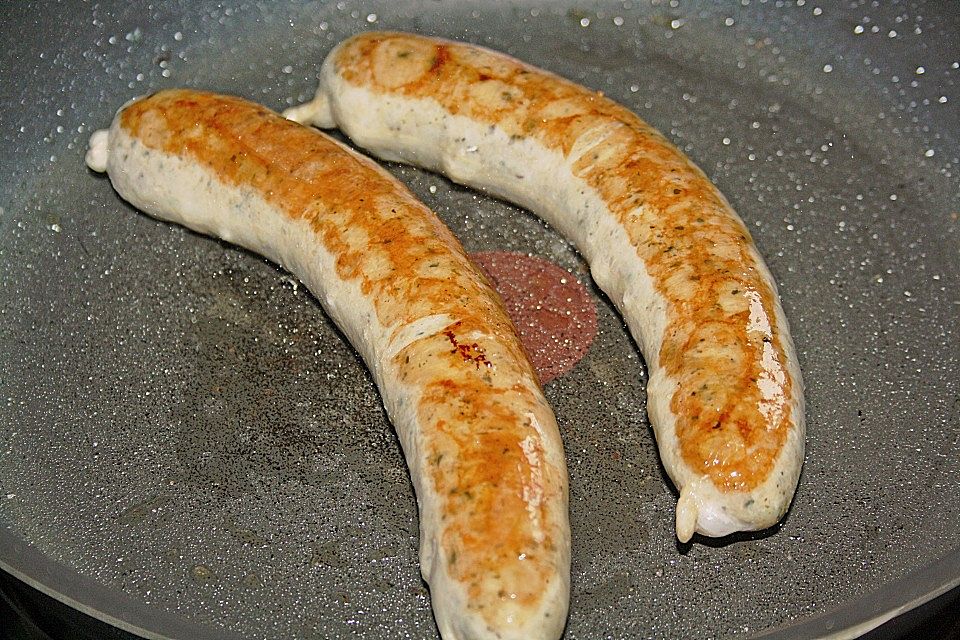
<point x="725" y="395"/>
<point x="481" y="442"/>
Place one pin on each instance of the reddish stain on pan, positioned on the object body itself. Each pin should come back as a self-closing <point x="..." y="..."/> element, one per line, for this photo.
<point x="553" y="312"/>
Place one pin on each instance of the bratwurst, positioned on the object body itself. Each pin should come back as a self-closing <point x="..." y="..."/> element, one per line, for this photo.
<point x="725" y="396"/>
<point x="481" y="443"/>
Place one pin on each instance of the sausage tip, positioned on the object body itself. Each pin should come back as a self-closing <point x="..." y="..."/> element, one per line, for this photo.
<point x="98" y="150"/>
<point x="316" y="112"/>
<point x="687" y="515"/>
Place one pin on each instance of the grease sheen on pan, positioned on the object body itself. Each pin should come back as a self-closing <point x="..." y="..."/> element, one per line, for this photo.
<point x="480" y="440"/>
<point x="725" y="395"/>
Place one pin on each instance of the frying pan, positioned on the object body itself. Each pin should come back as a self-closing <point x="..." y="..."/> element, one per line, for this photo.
<point x="190" y="449"/>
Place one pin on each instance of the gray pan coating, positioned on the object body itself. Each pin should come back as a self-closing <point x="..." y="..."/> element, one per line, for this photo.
<point x="187" y="443"/>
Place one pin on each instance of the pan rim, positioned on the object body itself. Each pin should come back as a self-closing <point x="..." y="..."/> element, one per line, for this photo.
<point x="851" y="619"/>
<point x="112" y="606"/>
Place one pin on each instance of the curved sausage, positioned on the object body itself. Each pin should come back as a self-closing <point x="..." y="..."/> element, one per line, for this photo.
<point x="725" y="395"/>
<point x="481" y="442"/>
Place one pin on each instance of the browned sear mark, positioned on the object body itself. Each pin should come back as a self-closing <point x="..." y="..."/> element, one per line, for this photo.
<point x="443" y="54"/>
<point x="469" y="352"/>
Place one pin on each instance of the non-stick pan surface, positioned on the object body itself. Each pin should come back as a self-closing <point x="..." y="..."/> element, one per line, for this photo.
<point x="188" y="447"/>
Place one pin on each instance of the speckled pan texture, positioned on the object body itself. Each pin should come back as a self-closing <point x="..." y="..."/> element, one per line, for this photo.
<point x="184" y="431"/>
